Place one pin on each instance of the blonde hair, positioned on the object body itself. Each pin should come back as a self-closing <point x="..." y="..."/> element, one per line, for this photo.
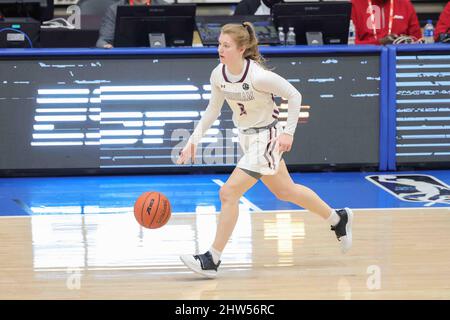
<point x="245" y="37"/>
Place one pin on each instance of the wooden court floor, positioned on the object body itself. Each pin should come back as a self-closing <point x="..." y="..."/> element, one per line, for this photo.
<point x="397" y="254"/>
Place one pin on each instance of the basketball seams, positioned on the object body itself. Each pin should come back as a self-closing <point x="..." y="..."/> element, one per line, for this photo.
<point x="156" y="211"/>
<point x="143" y="205"/>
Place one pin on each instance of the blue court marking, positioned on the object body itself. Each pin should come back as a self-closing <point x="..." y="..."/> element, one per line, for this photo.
<point x="187" y="193"/>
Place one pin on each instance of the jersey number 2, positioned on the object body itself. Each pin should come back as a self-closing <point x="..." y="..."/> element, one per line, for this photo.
<point x="241" y="106"/>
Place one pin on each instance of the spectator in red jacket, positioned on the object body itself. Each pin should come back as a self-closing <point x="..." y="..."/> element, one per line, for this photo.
<point x="382" y="21"/>
<point x="443" y="24"/>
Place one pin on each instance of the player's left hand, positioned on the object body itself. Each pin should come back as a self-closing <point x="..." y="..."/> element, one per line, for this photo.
<point x="285" y="142"/>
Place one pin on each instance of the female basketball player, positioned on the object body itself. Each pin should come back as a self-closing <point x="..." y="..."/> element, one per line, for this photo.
<point x="248" y="87"/>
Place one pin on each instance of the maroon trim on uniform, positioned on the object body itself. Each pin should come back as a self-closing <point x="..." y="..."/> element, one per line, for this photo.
<point x="267" y="158"/>
<point x="225" y="74"/>
<point x="268" y="153"/>
<point x="273" y="147"/>
<point x="275" y="113"/>
<point x="246" y="70"/>
<point x="243" y="77"/>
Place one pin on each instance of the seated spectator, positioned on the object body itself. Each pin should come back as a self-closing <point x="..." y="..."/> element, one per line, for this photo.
<point x="255" y="7"/>
<point x="382" y="21"/>
<point x="106" y="37"/>
<point x="443" y="24"/>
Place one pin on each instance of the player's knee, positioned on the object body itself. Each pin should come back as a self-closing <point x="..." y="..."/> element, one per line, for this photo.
<point x="228" y="194"/>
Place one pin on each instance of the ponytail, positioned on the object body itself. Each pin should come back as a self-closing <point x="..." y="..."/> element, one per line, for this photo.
<point x="252" y="51"/>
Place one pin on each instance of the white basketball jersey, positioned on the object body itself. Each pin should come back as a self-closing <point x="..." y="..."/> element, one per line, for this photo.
<point x="251" y="99"/>
<point x="251" y="108"/>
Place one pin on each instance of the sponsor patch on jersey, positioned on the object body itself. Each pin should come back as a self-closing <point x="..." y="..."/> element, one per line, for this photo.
<point x="245" y="86"/>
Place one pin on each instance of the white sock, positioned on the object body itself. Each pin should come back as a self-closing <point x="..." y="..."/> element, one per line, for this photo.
<point x="334" y="218"/>
<point x="215" y="254"/>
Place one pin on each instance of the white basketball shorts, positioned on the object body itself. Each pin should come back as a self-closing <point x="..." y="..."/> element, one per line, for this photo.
<point x="260" y="150"/>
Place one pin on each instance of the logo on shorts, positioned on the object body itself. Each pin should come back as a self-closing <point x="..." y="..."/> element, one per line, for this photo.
<point x="245" y="86"/>
<point x="414" y="188"/>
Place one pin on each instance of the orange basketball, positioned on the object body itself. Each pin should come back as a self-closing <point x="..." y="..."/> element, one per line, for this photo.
<point x="152" y="210"/>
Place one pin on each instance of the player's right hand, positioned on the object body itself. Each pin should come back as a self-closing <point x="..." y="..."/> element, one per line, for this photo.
<point x="188" y="153"/>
